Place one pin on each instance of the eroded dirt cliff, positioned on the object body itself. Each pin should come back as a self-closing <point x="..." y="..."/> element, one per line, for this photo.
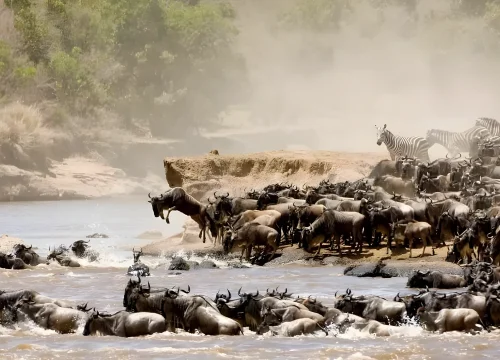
<point x="200" y="176"/>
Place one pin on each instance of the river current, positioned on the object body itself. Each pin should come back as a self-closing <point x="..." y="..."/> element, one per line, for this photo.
<point x="45" y="224"/>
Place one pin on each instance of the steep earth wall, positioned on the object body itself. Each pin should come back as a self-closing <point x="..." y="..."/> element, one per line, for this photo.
<point x="201" y="175"/>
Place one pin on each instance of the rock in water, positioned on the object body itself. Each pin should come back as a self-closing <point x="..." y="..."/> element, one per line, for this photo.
<point x="237" y="265"/>
<point x="367" y="270"/>
<point x="97" y="235"/>
<point x="179" y="263"/>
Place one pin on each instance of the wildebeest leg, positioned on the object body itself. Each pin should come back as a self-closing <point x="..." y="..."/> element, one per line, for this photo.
<point x="168" y="214"/>
<point x="389" y="241"/>
<point x="242" y="252"/>
<point x="249" y="252"/>
<point x="431" y="242"/>
<point x="338" y="244"/>
<point x="410" y="243"/>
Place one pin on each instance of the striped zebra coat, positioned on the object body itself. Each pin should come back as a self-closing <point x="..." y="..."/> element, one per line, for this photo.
<point x="400" y="146"/>
<point x="491" y="124"/>
<point x="457" y="142"/>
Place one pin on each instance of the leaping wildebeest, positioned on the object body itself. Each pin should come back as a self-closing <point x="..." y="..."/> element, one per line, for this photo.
<point x="177" y="199"/>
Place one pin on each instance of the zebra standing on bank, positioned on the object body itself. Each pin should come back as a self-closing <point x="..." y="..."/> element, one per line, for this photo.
<point x="400" y="146"/>
<point x="457" y="142"/>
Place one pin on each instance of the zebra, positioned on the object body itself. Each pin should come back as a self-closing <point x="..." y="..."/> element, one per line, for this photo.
<point x="456" y="142"/>
<point x="491" y="124"/>
<point x="400" y="146"/>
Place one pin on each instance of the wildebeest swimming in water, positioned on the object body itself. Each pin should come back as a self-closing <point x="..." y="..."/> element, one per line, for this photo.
<point x="138" y="268"/>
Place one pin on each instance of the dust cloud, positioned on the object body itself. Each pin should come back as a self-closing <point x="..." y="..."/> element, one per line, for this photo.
<point x="410" y="70"/>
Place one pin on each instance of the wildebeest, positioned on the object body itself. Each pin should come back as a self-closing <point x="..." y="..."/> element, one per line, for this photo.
<point x="449" y="319"/>
<point x="124" y="324"/>
<point x="62" y="258"/>
<point x="462" y="248"/>
<point x="51" y="316"/>
<point x="253" y="306"/>
<point x="197" y="313"/>
<point x="373" y="308"/>
<point x="9" y="261"/>
<point x="81" y="250"/>
<point x="296" y="327"/>
<point x="177" y="199"/>
<point x="26" y="254"/>
<point x="331" y="225"/>
<point x="393" y="184"/>
<point x="138" y="268"/>
<point x="435" y="279"/>
<point x="412" y="231"/>
<point x="250" y="235"/>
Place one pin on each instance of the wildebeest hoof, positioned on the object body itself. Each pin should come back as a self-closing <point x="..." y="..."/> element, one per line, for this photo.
<point x="168" y="221"/>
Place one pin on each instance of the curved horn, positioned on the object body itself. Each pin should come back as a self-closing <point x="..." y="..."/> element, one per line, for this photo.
<point x="215" y="194"/>
<point x="29" y="247"/>
<point x="229" y="294"/>
<point x="186" y="291"/>
<point x="336" y="293"/>
<point x="149" y="286"/>
<point x="149" y="195"/>
<point x="239" y="291"/>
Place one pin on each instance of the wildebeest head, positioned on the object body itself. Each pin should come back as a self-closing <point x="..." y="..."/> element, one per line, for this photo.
<point x="245" y="298"/>
<point x="419" y="279"/>
<point x="228" y="239"/>
<point x="222" y="297"/>
<point x="154" y="201"/>
<point x="131" y="285"/>
<point x="27" y="254"/>
<point x="252" y="194"/>
<point x="137" y="292"/>
<point x="223" y="207"/>
<point x="79" y="247"/>
<point x="55" y="253"/>
<point x="265" y="199"/>
<point x="91" y="326"/>
<point x="306" y="236"/>
<point x="270" y="317"/>
<point x="312" y="196"/>
<point x="136" y="255"/>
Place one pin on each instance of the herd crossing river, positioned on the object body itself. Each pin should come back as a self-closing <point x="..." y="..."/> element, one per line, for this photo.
<point x="102" y="284"/>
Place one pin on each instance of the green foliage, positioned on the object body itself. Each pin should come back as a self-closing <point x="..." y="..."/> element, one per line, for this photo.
<point x="25" y="73"/>
<point x="5" y="57"/>
<point x="34" y="34"/>
<point x="315" y="15"/>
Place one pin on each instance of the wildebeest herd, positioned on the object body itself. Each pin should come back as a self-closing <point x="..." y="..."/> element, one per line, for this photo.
<point x="451" y="201"/>
<point x="154" y="310"/>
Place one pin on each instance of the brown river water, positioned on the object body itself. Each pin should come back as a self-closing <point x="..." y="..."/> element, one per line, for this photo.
<point x="101" y="285"/>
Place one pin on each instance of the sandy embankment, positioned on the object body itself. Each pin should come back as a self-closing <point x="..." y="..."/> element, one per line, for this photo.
<point x="72" y="178"/>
